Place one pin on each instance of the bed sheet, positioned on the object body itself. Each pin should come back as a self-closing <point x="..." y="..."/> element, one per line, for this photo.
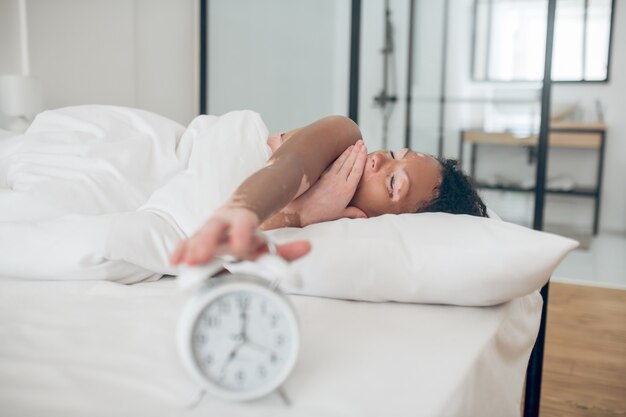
<point x="103" y="348"/>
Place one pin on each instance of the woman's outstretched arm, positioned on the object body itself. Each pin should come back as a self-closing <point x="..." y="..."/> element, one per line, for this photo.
<point x="291" y="170"/>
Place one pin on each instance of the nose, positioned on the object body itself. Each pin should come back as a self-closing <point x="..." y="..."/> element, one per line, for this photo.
<point x="378" y="160"/>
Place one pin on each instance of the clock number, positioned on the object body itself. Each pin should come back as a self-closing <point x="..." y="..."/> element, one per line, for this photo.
<point x="264" y="308"/>
<point x="208" y="359"/>
<point x="201" y="339"/>
<point x="274" y="320"/>
<point x="273" y="358"/>
<point x="280" y="339"/>
<point x="213" y="321"/>
<point x="262" y="372"/>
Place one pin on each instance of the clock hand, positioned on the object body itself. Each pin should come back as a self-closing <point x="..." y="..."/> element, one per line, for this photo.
<point x="244" y="321"/>
<point x="260" y="348"/>
<point x="244" y="325"/>
<point x="230" y="358"/>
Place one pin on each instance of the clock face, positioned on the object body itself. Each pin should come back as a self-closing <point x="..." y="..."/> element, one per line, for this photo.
<point x="245" y="340"/>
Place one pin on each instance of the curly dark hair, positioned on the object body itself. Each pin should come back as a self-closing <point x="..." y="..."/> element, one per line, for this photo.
<point x="456" y="193"/>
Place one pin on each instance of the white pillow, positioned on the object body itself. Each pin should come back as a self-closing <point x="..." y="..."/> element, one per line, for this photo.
<point x="417" y="258"/>
<point x="424" y="258"/>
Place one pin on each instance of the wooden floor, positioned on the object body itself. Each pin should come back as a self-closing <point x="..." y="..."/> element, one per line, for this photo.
<point x="585" y="356"/>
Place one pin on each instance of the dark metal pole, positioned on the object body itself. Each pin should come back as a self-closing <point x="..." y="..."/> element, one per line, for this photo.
<point x="442" y="97"/>
<point x="355" y="49"/>
<point x="204" y="48"/>
<point x="409" y="77"/>
<point x="611" y="24"/>
<point x="532" y="396"/>
<point x="596" y="213"/>
<point x="544" y="128"/>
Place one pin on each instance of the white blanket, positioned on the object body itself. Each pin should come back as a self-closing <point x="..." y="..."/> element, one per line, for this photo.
<point x="85" y="186"/>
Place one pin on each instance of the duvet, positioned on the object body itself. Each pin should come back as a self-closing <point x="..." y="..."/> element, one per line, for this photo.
<point x="84" y="185"/>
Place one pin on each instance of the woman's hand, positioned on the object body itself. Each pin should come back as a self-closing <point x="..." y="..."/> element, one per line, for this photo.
<point x="329" y="197"/>
<point x="230" y="230"/>
<point x="275" y="140"/>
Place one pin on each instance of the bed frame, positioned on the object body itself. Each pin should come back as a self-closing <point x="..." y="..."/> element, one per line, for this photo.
<point x="532" y="392"/>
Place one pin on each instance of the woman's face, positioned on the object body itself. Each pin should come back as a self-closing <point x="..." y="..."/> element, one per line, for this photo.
<point x="397" y="182"/>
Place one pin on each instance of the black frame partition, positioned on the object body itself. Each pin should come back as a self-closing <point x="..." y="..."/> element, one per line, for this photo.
<point x="355" y="56"/>
<point x="532" y="394"/>
<point x="203" y="76"/>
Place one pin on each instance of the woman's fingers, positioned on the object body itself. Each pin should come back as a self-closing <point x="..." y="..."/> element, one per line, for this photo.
<point x="186" y="250"/>
<point x="354" y="176"/>
<point x="273" y="141"/>
<point x="289" y="251"/>
<point x="339" y="162"/>
<point x="347" y="165"/>
<point x="294" y="250"/>
<point x="240" y="240"/>
<point x="178" y="253"/>
<point x="354" y="213"/>
<point x="202" y="246"/>
<point x="243" y="240"/>
<point x="231" y="227"/>
<point x="356" y="156"/>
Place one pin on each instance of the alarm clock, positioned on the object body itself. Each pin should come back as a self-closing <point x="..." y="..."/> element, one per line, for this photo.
<point x="238" y="334"/>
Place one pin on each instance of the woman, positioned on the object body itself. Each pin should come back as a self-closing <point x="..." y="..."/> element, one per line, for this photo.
<point x="322" y="172"/>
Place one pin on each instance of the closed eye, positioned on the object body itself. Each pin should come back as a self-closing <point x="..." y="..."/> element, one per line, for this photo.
<point x="399" y="182"/>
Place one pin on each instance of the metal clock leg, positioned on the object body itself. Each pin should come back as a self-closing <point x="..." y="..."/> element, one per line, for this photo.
<point x="283" y="396"/>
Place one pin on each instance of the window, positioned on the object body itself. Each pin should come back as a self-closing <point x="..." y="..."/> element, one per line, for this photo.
<point x="509" y="40"/>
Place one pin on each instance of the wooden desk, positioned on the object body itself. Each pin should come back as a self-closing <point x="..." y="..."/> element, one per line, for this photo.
<point x="562" y="135"/>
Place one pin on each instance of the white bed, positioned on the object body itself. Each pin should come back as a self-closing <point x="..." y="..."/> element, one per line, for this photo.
<point x="104" y="348"/>
<point x="78" y="222"/>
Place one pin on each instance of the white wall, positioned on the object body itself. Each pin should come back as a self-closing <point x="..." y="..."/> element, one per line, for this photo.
<point x="285" y="59"/>
<point x="137" y="53"/>
<point x="9" y="38"/>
